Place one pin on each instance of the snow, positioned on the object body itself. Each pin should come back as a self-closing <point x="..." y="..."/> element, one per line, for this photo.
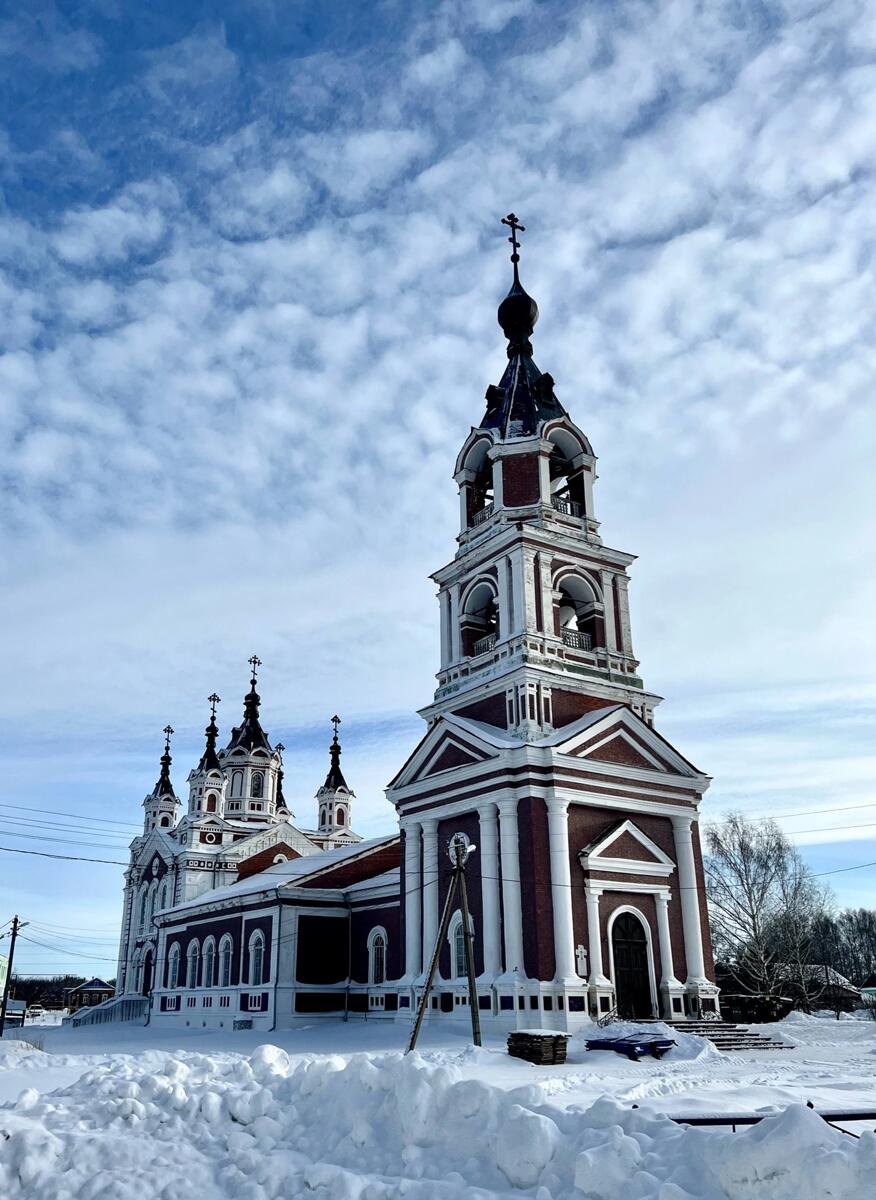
<point x="336" y="1112"/>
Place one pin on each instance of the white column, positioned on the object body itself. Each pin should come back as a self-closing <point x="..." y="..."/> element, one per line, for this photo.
<point x="444" y="621"/>
<point x="623" y="602"/>
<point x="463" y="507"/>
<point x="561" y="888"/>
<point x="413" y="883"/>
<point x="544" y="477"/>
<point x="430" y="887"/>
<point x="545" y="562"/>
<point x="690" y="901"/>
<point x="608" y="604"/>
<point x="528" y="560"/>
<point x="667" y="967"/>
<point x="497" y="482"/>
<point x="517" y="569"/>
<point x="511" y="901"/>
<point x="455" y="642"/>
<point x="488" y="849"/>
<point x="594" y="937"/>
<point x="504" y="600"/>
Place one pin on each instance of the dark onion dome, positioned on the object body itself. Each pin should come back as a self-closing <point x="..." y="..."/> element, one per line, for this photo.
<point x="164" y="787"/>
<point x="209" y="759"/>
<point x="334" y="781"/>
<point x="517" y="316"/>
<point x="249" y="735"/>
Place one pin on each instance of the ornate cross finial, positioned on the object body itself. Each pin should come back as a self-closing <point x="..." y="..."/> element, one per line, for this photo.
<point x="255" y="662"/>
<point x="214" y="700"/>
<point x="280" y="748"/>
<point x="336" y="720"/>
<point x="167" y="731"/>
<point x="515" y="226"/>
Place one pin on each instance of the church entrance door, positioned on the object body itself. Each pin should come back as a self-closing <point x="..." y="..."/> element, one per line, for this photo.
<point x="147" y="973"/>
<point x="631" y="979"/>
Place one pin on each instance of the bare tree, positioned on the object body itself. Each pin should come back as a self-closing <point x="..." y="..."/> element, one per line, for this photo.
<point x="763" y="904"/>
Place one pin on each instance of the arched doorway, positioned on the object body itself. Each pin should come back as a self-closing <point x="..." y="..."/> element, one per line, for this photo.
<point x="632" y="979"/>
<point x="147" y="973"/>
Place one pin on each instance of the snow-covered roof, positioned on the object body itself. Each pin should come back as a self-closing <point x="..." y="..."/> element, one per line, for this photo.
<point x="285" y="874"/>
<point x="364" y="885"/>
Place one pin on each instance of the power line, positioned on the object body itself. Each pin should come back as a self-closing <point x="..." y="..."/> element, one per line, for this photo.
<point x="66" y="841"/>
<point x="809" y="813"/>
<point x="113" y="862"/>
<point x="79" y="816"/>
<point x="75" y="953"/>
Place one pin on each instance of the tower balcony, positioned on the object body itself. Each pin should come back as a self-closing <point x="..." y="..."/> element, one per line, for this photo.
<point x="484" y="515"/>
<point x="576" y="640"/>
<point x="569" y="508"/>
<point x="482" y="645"/>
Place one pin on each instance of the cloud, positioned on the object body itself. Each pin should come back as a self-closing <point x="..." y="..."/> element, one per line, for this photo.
<point x="247" y="305"/>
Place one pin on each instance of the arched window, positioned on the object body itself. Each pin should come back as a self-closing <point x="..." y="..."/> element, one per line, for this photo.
<point x="209" y="973"/>
<point x="479" y="488"/>
<point x="258" y="784"/>
<point x="567" y="473"/>
<point x="456" y="938"/>
<point x="162" y="900"/>
<point x="322" y="816"/>
<point x="193" y="956"/>
<point x="211" y="801"/>
<point x="173" y="966"/>
<point x="137" y="971"/>
<point x="479" y="622"/>
<point x="144" y="909"/>
<point x="225" y="947"/>
<point x="340" y="816"/>
<point x="165" y="822"/>
<point x="257" y="959"/>
<point x="581" y="621"/>
<point x="377" y="946"/>
<point x="237" y="783"/>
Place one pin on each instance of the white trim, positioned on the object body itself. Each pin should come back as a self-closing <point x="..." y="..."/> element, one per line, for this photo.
<point x="597" y="886"/>
<point x="611" y="736"/>
<point x="652" y="976"/>
<point x="377" y="932"/>
<point x="452" y="933"/>
<point x="625" y="866"/>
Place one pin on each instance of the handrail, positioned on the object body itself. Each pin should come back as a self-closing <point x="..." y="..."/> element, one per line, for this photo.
<point x="577" y="640"/>
<point x="482" y="645"/>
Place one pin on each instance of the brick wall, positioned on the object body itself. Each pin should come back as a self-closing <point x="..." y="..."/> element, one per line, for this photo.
<point x="520" y="480"/>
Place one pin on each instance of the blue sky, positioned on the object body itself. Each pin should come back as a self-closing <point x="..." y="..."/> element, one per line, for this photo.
<point x="249" y="264"/>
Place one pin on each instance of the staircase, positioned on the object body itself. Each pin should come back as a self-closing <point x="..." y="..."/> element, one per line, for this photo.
<point x="728" y="1036"/>
<point x="118" y="1008"/>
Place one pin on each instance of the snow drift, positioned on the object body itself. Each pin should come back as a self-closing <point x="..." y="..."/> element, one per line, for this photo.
<point x="369" y="1127"/>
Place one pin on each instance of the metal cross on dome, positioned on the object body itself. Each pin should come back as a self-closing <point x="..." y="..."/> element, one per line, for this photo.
<point x="255" y="662"/>
<point x="214" y="700"/>
<point x="167" y="731"/>
<point x="515" y="227"/>
<point x="336" y="720"/>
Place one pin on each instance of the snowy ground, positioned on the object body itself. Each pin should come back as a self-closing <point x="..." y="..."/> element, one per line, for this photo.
<point x="334" y="1112"/>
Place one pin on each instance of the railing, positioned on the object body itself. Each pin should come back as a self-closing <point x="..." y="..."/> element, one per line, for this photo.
<point x="484" y="515"/>
<point x="482" y="645"/>
<point x="122" y="1008"/>
<point x="578" y="641"/>
<point x="570" y="508"/>
<point x="607" y="1018"/>
<point x="736" y="1119"/>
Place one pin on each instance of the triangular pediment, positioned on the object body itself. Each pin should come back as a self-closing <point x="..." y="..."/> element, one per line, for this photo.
<point x="626" y="848"/>
<point x="448" y="746"/>
<point x="622" y="739"/>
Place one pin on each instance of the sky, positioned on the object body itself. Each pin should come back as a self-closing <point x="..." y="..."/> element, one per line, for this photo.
<point x="250" y="257"/>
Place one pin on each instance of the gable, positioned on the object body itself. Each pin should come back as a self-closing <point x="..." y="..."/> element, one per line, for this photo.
<point x="444" y="748"/>
<point x="626" y="849"/>
<point x="621" y="750"/>
<point x="623" y="739"/>
<point x="265" y="858"/>
<point x="451" y="755"/>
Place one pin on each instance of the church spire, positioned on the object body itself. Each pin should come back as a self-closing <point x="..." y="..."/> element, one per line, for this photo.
<point x="209" y="759"/>
<point x="249" y="734"/>
<point x="524" y="396"/>
<point x="335" y="778"/>
<point x="164" y="786"/>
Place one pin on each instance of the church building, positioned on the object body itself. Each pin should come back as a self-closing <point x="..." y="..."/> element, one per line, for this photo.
<point x="585" y="880"/>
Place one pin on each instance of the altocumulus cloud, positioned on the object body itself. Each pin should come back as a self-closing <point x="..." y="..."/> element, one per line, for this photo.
<point x="250" y="262"/>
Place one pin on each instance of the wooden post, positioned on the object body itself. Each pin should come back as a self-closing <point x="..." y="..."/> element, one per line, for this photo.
<point x="16" y="925"/>
<point x="460" y="852"/>
<point x="433" y="965"/>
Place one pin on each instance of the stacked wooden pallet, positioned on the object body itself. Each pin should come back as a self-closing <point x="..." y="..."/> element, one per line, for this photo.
<point x="544" y="1047"/>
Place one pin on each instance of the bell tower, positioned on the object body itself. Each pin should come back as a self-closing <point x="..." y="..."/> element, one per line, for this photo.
<point x="162" y="804"/>
<point x="534" y="612"/>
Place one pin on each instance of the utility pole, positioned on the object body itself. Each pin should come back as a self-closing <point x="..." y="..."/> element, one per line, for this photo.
<point x="16" y="925"/>
<point x="459" y="853"/>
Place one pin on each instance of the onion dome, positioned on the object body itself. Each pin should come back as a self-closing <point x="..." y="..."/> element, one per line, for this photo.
<point x="334" y="781"/>
<point x="164" y="787"/>
<point x="209" y="759"/>
<point x="524" y="397"/>
<point x="249" y="735"/>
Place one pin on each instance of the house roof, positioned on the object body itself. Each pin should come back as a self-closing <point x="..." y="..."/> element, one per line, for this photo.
<point x="287" y="874"/>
